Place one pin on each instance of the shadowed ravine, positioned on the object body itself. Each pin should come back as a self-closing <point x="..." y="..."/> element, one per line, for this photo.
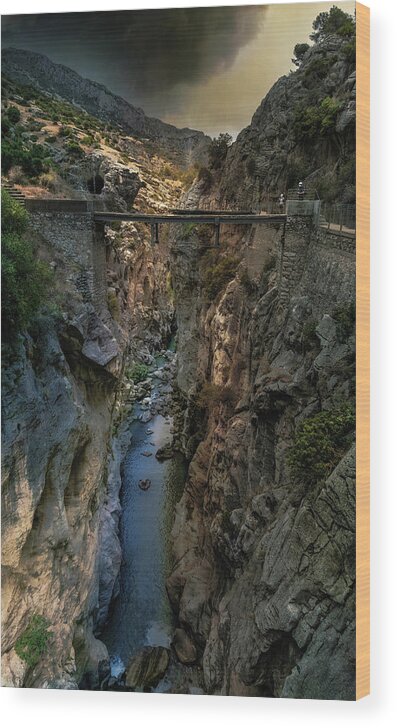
<point x="141" y="615"/>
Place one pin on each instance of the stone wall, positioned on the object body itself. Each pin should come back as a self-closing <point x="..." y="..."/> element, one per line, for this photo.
<point x="314" y="261"/>
<point x="68" y="226"/>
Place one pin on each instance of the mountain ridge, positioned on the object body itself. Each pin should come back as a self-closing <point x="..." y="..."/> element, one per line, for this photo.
<point x="36" y="69"/>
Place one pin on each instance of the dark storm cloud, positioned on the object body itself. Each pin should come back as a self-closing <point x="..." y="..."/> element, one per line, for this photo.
<point x="139" y="54"/>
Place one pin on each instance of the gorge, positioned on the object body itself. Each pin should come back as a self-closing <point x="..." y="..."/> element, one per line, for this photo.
<point x="224" y="565"/>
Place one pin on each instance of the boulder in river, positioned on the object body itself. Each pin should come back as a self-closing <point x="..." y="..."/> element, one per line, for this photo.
<point x="164" y="453"/>
<point x="145" y="484"/>
<point x="146" y="454"/>
<point x="147" y="668"/>
<point x="184" y="647"/>
<point x="146" y="416"/>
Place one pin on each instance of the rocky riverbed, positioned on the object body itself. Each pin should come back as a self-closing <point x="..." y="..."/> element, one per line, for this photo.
<point x="146" y="651"/>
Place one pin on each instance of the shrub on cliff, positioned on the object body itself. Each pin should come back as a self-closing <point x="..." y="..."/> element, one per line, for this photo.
<point x="205" y="177"/>
<point x="300" y="51"/>
<point x="318" y="69"/>
<point x="27" y="154"/>
<point x="24" y="279"/>
<point x="218" y="149"/>
<point x="345" y="317"/>
<point x="310" y="340"/>
<point x="213" y="394"/>
<point x="310" y="121"/>
<point x="13" y="114"/>
<point x="335" y="21"/>
<point x="217" y="271"/>
<point x="137" y="372"/>
<point x="32" y="643"/>
<point x="320" y="442"/>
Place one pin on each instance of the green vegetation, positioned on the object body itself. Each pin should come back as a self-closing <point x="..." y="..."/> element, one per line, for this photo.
<point x="336" y="21"/>
<point x="349" y="50"/>
<point x="211" y="395"/>
<point x="18" y="151"/>
<point x="345" y="317"/>
<point x="246" y="281"/>
<point x="320" y="442"/>
<point x="114" y="305"/>
<point x="13" y="114"/>
<point x="32" y="643"/>
<point x="205" y="177"/>
<point x="26" y="152"/>
<point x="65" y="131"/>
<point x="24" y="279"/>
<point x="299" y="51"/>
<point x="87" y="139"/>
<point x="217" y="271"/>
<point x="74" y="148"/>
<point x="297" y="169"/>
<point x="137" y="372"/>
<point x="218" y="149"/>
<point x="188" y="175"/>
<point x="313" y="120"/>
<point x="319" y="68"/>
<point x="169" y="172"/>
<point x="188" y="228"/>
<point x="309" y="338"/>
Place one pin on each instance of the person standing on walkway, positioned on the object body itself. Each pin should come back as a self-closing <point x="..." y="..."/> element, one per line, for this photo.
<point x="301" y="191"/>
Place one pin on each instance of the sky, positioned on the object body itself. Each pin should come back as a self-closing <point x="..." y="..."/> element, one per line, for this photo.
<point x="205" y="68"/>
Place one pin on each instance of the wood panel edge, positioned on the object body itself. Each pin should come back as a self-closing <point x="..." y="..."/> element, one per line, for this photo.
<point x="363" y="354"/>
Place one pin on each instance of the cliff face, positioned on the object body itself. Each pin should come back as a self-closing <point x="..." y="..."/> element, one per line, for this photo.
<point x="63" y="396"/>
<point x="304" y="129"/>
<point x="34" y="69"/>
<point x="263" y="577"/>
<point x="263" y="574"/>
<point x="56" y="418"/>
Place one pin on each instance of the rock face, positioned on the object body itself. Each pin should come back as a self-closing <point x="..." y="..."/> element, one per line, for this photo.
<point x="264" y="557"/>
<point x="34" y="69"/>
<point x="147" y="668"/>
<point x="264" y="562"/>
<point x="63" y="392"/>
<point x="121" y="184"/>
<point x="275" y="152"/>
<point x="263" y="574"/>
<point x="57" y="413"/>
<point x="184" y="647"/>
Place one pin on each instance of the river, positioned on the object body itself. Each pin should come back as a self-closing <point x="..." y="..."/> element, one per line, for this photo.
<point x="141" y="614"/>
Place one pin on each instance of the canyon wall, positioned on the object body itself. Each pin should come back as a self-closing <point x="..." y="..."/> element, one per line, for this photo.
<point x="264" y="562"/>
<point x="264" y="537"/>
<point x="62" y="394"/>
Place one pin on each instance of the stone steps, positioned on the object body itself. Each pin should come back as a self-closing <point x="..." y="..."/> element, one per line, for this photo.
<point x="14" y="193"/>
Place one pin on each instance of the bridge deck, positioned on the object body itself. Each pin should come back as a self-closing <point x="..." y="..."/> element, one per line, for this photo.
<point x="233" y="218"/>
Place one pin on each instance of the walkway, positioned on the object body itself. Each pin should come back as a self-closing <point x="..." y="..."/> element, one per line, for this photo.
<point x="190" y="216"/>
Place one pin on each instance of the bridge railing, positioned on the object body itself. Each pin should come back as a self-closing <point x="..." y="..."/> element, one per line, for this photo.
<point x="308" y="193"/>
<point x="305" y="202"/>
<point x="338" y="217"/>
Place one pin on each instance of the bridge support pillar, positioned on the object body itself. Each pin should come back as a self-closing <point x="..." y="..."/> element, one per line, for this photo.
<point x="155" y="233"/>
<point x="217" y="231"/>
